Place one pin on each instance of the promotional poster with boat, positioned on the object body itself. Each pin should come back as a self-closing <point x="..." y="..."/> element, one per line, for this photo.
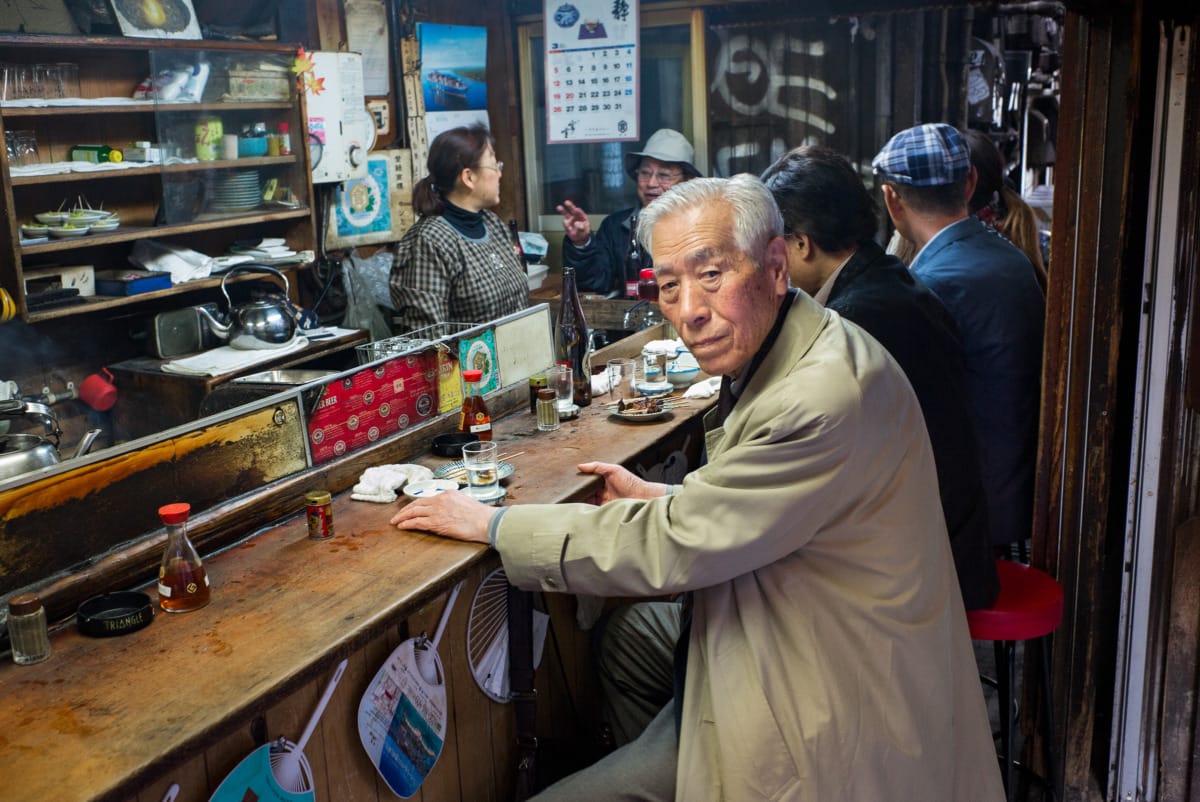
<point x="453" y="75"/>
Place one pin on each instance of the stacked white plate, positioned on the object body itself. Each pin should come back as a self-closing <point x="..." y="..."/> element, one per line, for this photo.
<point x="236" y="191"/>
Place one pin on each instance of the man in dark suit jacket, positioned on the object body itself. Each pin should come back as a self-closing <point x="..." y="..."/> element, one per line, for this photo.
<point x="830" y="220"/>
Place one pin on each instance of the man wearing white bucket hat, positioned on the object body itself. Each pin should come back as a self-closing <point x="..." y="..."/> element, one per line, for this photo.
<point x="606" y="261"/>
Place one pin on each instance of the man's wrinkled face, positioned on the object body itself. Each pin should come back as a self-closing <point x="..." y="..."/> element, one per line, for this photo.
<point x="722" y="304"/>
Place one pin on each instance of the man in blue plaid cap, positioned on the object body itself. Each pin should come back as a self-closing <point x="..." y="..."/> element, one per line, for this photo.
<point x="991" y="291"/>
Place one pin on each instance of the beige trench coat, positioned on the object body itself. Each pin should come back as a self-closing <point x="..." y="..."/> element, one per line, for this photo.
<point x="829" y="657"/>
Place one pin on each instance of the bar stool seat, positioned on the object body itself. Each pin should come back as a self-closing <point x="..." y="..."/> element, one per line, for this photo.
<point x="1028" y="607"/>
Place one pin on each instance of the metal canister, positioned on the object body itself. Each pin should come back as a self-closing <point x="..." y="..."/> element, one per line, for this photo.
<point x="320" y="514"/>
<point x="208" y="138"/>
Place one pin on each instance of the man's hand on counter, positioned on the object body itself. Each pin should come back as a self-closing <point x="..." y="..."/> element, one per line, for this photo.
<point x="620" y="483"/>
<point x="453" y="515"/>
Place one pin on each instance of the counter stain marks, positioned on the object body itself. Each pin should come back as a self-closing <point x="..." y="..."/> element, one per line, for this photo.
<point x="214" y="645"/>
<point x="66" y="721"/>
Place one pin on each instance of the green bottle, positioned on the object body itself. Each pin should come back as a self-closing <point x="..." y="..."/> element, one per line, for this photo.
<point x="94" y="153"/>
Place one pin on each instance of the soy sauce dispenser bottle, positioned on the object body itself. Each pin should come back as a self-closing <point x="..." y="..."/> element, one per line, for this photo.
<point x="182" y="580"/>
<point x="474" y="417"/>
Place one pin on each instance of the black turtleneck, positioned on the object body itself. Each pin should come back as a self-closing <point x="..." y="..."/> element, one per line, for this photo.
<point x="469" y="224"/>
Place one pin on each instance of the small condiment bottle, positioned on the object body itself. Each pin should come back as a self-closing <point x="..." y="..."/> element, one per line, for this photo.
<point x="285" y="140"/>
<point x="547" y="410"/>
<point x="319" y="510"/>
<point x="27" y="630"/>
<point x="182" y="580"/>
<point x="475" y="418"/>
<point x="537" y="381"/>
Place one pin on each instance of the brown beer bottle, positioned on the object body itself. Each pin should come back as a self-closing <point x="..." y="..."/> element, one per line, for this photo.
<point x="572" y="340"/>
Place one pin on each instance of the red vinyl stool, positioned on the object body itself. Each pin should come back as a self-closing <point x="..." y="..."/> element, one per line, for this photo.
<point x="1029" y="607"/>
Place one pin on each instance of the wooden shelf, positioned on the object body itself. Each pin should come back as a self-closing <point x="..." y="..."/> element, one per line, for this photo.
<point x="96" y="303"/>
<point x="134" y="43"/>
<point x="109" y="68"/>
<point x="155" y="170"/>
<point x="141" y="108"/>
<point x="141" y="232"/>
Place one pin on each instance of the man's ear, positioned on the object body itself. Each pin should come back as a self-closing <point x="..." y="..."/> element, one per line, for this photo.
<point x="777" y="262"/>
<point x="972" y="182"/>
<point x="804" y="247"/>
<point x="893" y="202"/>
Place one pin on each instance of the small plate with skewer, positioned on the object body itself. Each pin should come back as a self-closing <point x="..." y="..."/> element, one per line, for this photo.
<point x="643" y="410"/>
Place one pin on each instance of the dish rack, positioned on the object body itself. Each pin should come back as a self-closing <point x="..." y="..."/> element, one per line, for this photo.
<point x="411" y="341"/>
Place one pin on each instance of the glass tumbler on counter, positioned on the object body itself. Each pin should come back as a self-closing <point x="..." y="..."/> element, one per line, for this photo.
<point x="560" y="378"/>
<point x="483" y="476"/>
<point x="621" y="379"/>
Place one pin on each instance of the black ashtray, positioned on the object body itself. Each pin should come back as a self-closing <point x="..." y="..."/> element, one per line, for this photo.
<point x="450" y="445"/>
<point x="114" y="614"/>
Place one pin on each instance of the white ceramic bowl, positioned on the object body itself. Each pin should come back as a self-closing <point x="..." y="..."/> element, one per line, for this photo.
<point x="682" y="376"/>
<point x="64" y="232"/>
<point x="85" y="216"/>
<point x="35" y="229"/>
<point x="102" y="226"/>
<point x="51" y="218"/>
<point x="652" y="387"/>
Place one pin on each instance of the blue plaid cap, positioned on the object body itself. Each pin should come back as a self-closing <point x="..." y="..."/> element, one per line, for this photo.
<point x="924" y="156"/>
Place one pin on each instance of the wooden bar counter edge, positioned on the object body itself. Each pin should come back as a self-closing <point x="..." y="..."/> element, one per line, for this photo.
<point x="117" y="718"/>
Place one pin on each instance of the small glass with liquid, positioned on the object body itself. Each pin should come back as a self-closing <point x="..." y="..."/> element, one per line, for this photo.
<point x="483" y="476"/>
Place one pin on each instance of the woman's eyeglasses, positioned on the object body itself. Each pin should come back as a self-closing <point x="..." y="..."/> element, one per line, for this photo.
<point x="498" y="166"/>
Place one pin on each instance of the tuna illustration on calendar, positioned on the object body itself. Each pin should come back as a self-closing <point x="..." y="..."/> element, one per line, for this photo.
<point x="591" y="71"/>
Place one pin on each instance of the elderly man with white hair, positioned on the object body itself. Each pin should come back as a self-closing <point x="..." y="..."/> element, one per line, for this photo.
<point x="825" y="652"/>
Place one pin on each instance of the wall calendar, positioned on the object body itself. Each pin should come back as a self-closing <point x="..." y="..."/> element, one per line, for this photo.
<point x="592" y="85"/>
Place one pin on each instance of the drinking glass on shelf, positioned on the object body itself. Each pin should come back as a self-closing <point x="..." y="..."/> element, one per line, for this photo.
<point x="68" y="79"/>
<point x="483" y="477"/>
<point x="28" y="81"/>
<point x="8" y="81"/>
<point x="26" y="148"/>
<point x="47" y="80"/>
<point x="10" y="147"/>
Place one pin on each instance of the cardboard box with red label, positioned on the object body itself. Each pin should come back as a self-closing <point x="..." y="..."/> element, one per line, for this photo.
<point x="373" y="403"/>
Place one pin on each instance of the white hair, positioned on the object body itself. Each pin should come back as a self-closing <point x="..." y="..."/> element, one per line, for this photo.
<point x="755" y="217"/>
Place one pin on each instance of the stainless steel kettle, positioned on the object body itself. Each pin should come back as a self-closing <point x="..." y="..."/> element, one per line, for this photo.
<point x="255" y="325"/>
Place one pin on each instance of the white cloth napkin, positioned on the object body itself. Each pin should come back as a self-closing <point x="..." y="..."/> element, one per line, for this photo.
<point x="671" y="347"/>
<point x="704" y="389"/>
<point x="223" y="360"/>
<point x="380" y="483"/>
<point x="600" y="383"/>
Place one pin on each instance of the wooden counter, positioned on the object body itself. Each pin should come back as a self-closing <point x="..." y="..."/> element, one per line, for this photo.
<point x="186" y="698"/>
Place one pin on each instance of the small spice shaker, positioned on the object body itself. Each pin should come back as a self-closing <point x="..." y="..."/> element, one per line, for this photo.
<point x="27" y="629"/>
<point x="319" y="506"/>
<point x="547" y="410"/>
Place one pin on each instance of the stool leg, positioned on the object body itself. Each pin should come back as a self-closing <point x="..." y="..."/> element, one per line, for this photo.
<point x="1006" y="672"/>
<point x="1048" y="718"/>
